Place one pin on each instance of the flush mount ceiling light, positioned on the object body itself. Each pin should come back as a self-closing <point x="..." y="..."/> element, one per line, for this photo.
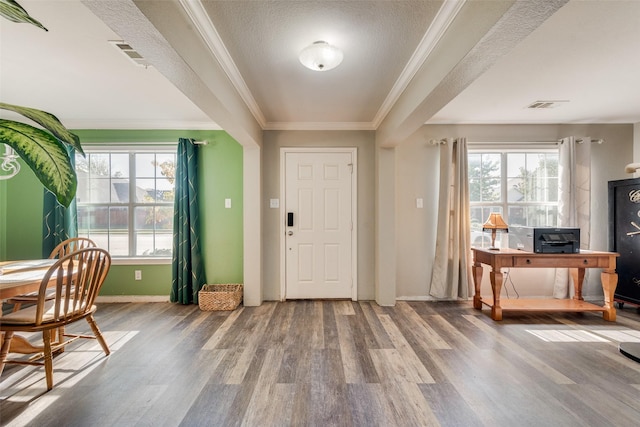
<point x="321" y="56"/>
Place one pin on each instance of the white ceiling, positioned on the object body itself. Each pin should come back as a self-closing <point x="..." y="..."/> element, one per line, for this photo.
<point x="587" y="53"/>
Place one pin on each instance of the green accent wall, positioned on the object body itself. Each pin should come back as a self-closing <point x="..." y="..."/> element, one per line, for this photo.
<point x="3" y="220"/>
<point x="220" y="178"/>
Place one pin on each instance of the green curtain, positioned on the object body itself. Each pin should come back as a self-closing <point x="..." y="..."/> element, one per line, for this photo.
<point x="187" y="265"/>
<point x="59" y="223"/>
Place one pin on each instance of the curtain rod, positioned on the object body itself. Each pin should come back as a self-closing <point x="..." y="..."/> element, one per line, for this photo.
<point x="579" y="140"/>
<point x="203" y="142"/>
<point x="511" y="143"/>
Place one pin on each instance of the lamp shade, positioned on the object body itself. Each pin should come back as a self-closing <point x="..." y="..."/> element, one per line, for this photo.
<point x="321" y="56"/>
<point x="495" y="222"/>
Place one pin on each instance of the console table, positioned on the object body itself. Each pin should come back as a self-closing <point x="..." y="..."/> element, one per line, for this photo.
<point x="577" y="263"/>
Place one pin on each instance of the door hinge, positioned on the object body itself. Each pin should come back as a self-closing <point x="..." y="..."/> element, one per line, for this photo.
<point x="350" y="167"/>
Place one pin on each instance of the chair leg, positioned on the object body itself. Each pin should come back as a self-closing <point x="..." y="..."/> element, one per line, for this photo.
<point x="48" y="358"/>
<point x="4" y="350"/>
<point x="16" y="306"/>
<point x="58" y="338"/>
<point x="96" y="331"/>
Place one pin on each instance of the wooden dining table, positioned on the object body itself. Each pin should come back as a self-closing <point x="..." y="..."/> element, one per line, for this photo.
<point x="17" y="278"/>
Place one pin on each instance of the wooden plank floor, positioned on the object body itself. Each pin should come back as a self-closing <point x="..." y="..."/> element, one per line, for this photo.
<point x="335" y="363"/>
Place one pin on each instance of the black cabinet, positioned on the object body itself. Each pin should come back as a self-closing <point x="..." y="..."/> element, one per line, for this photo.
<point x="624" y="237"/>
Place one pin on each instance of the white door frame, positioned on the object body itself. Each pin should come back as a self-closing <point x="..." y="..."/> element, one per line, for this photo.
<point x="354" y="212"/>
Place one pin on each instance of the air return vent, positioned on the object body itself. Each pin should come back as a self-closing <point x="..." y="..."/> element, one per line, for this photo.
<point x="546" y="104"/>
<point x="129" y="52"/>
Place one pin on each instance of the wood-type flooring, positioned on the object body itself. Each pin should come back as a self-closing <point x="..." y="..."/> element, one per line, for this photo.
<point x="335" y="363"/>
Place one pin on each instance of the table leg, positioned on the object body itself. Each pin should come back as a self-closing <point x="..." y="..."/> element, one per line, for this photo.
<point x="4" y="349"/>
<point x="577" y="274"/>
<point x="496" y="288"/>
<point x="477" y="282"/>
<point x="609" y="282"/>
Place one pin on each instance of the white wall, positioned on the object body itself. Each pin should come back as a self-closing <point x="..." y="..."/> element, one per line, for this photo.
<point x="272" y="142"/>
<point x="417" y="171"/>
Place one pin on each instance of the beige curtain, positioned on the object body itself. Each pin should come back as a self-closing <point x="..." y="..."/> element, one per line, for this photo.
<point x="574" y="198"/>
<point x="451" y="275"/>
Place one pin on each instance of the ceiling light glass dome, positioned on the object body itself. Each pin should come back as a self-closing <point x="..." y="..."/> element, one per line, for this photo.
<point x="321" y="56"/>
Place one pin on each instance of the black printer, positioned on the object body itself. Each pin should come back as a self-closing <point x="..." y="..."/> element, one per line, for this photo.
<point x="545" y="240"/>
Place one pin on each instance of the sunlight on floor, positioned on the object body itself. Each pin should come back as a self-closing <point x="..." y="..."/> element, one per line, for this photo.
<point x="580" y="335"/>
<point x="69" y="368"/>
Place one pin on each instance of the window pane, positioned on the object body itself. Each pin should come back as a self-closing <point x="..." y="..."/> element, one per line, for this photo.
<point x="515" y="190"/>
<point x="516" y="163"/>
<point x="491" y="178"/>
<point x="475" y="172"/>
<point x="99" y="190"/>
<point x="164" y="244"/>
<point x="166" y="165"/>
<point x="477" y="218"/>
<point x="553" y="190"/>
<point x="165" y="190"/>
<point x="120" y="190"/>
<point x="154" y="231"/>
<point x="146" y="191"/>
<point x="119" y="230"/>
<point x="531" y="183"/>
<point x="484" y="177"/>
<point x="145" y="167"/>
<point x="99" y="165"/>
<point x="517" y="215"/>
<point x="537" y="216"/>
<point x="105" y="203"/>
<point x="164" y="218"/>
<point x="120" y="165"/>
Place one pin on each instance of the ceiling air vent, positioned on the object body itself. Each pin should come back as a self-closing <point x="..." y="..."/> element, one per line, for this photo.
<point x="130" y="52"/>
<point x="546" y="104"/>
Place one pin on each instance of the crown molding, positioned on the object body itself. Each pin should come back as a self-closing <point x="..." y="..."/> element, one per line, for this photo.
<point x="140" y="124"/>
<point x="198" y="15"/>
<point x="436" y="30"/>
<point x="319" y="126"/>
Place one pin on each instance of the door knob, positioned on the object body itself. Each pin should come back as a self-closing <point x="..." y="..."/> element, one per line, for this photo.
<point x="290" y="233"/>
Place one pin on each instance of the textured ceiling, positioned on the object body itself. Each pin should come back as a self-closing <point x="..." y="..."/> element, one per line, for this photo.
<point x="586" y="52"/>
<point x="377" y="37"/>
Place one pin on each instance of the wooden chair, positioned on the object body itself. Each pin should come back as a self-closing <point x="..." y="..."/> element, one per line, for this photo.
<point x="76" y="279"/>
<point x="65" y="247"/>
<point x="71" y="245"/>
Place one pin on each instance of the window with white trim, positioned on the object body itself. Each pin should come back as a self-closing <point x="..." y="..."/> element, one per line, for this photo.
<point x="520" y="184"/>
<point x="125" y="199"/>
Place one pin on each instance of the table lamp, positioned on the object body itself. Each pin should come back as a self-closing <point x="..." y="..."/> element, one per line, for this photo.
<point x="493" y="223"/>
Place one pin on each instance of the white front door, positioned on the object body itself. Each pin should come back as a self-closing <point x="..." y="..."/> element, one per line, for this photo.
<point x="319" y="214"/>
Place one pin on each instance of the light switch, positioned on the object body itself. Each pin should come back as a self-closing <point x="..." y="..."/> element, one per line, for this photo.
<point x="274" y="203"/>
<point x="419" y="203"/>
<point x="227" y="203"/>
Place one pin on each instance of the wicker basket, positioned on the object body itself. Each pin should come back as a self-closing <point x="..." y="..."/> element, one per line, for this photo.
<point x="220" y="297"/>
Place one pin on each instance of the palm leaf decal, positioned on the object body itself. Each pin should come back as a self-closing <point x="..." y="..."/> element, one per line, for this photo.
<point x="45" y="155"/>
<point x="15" y="13"/>
<point x="47" y="121"/>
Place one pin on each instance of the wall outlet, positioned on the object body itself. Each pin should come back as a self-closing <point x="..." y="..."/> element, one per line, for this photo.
<point x="138" y="274"/>
<point x="227" y="203"/>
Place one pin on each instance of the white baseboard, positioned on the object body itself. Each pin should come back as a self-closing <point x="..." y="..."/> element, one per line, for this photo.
<point x="132" y="298"/>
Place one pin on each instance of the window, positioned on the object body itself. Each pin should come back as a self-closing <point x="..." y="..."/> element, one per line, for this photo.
<point x="521" y="185"/>
<point x="125" y="200"/>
